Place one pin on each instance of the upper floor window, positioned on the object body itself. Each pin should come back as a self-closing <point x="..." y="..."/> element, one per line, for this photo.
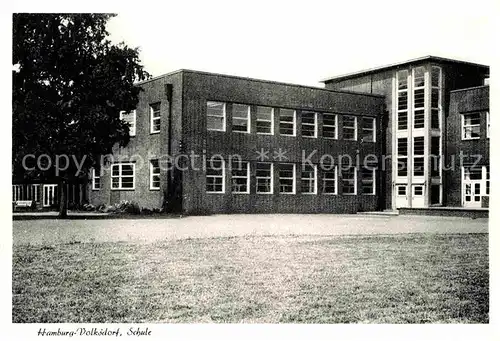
<point x="241" y="118"/>
<point x="368" y="129"/>
<point x="329" y="126"/>
<point x="154" y="174"/>
<point x="215" y="176"/>
<point x="471" y="126"/>
<point x="130" y="118"/>
<point x="309" y="124"/>
<point x="402" y="100"/>
<point x="154" y="112"/>
<point x="123" y="176"/>
<point x="419" y="97"/>
<point x="287" y="122"/>
<point x="265" y="120"/>
<point x="216" y="116"/>
<point x="349" y="128"/>
<point x="96" y="179"/>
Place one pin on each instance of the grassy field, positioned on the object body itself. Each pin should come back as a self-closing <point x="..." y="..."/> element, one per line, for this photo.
<point x="412" y="278"/>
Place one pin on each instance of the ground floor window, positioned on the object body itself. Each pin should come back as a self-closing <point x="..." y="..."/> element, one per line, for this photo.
<point x="329" y="179"/>
<point x="123" y="176"/>
<point x="368" y="179"/>
<point x="475" y="184"/>
<point x="215" y="176"/>
<point x="308" y="179"/>
<point x="96" y="179"/>
<point x="240" y="177"/>
<point x="154" y="174"/>
<point x="348" y="178"/>
<point x="287" y="178"/>
<point x="264" y="177"/>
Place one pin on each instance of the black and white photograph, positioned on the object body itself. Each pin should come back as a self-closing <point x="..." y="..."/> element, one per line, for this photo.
<point x="259" y="164"/>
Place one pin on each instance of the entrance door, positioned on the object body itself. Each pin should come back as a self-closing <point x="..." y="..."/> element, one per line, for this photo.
<point x="417" y="197"/>
<point x="401" y="196"/>
<point x="49" y="195"/>
<point x="472" y="193"/>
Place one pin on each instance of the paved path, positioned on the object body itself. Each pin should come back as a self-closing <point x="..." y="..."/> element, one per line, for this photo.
<point x="150" y="230"/>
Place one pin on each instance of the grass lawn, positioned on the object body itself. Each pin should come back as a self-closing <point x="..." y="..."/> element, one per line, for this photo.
<point x="412" y="278"/>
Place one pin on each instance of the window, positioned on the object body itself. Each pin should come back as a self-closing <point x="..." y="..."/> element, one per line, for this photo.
<point x="241" y="118"/>
<point x="308" y="179"/>
<point x="309" y="124"/>
<point x="264" y="178"/>
<point x="368" y="179"/>
<point x="402" y="100"/>
<point x="368" y="129"/>
<point x="154" y="174"/>
<point x="329" y="179"/>
<point x="265" y="120"/>
<point x="435" y="156"/>
<point x="401" y="190"/>
<point x="418" y="156"/>
<point x="418" y="190"/>
<point x="155" y="113"/>
<point x="215" y="176"/>
<point x="240" y="177"/>
<point x="487" y="170"/>
<point x="471" y="126"/>
<point x="349" y="129"/>
<point x="287" y="178"/>
<point x="487" y="124"/>
<point x="123" y="176"/>
<point x="402" y="148"/>
<point x="348" y="175"/>
<point x="418" y="97"/>
<point x="96" y="180"/>
<point x="329" y="126"/>
<point x="287" y="122"/>
<point x="436" y="95"/>
<point x="216" y="116"/>
<point x="129" y="117"/>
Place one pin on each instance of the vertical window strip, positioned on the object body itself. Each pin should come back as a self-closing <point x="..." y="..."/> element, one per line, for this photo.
<point x="241" y="118"/>
<point x="265" y="120"/>
<point x="215" y="176"/>
<point x="309" y="124"/>
<point x="308" y="179"/>
<point x="349" y="128"/>
<point x="240" y="177"/>
<point x="287" y="122"/>
<point x="216" y="116"/>
<point x="155" y="117"/>
<point x="329" y="179"/>
<point x="96" y="180"/>
<point x="286" y="178"/>
<point x="348" y="178"/>
<point x="329" y="126"/>
<point x="402" y="100"/>
<point x="154" y="174"/>
<point x="264" y="178"/>
<point x="130" y="118"/>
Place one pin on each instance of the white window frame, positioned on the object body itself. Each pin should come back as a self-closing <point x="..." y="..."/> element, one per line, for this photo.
<point x="373" y="180"/>
<point x="315" y="124"/>
<point x="398" y="91"/>
<point x="355" y="127"/>
<point x="286" y="122"/>
<point x="294" y="178"/>
<point x="471" y="125"/>
<point x="120" y="177"/>
<point x="132" y="128"/>
<point x="270" y="177"/>
<point x="153" y="119"/>
<point x="374" y="131"/>
<point x="414" y="89"/>
<point x="261" y="120"/>
<point x="152" y="174"/>
<point x="224" y="115"/>
<point x="355" y="182"/>
<point x="335" y="181"/>
<point x="94" y="177"/>
<point x="248" y="110"/>
<point x="223" y="165"/>
<point x="247" y="177"/>
<point x="336" y="126"/>
<point x="314" y="179"/>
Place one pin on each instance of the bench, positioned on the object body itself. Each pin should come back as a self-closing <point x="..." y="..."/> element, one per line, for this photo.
<point x="24" y="203"/>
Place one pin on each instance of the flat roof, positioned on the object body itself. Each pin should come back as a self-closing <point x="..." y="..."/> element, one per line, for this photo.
<point x="259" y="80"/>
<point x="396" y="65"/>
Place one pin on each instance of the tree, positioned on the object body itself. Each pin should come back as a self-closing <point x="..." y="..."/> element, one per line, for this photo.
<point x="69" y="85"/>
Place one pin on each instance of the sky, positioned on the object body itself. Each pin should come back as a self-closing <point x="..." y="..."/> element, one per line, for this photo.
<point x="303" y="42"/>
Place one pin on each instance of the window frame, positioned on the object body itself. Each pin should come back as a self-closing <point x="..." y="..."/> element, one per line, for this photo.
<point x="355" y="128"/>
<point x="153" y="119"/>
<point x="224" y="115"/>
<point x="223" y="176"/>
<point x="336" y="126"/>
<point x="257" y="120"/>
<point x="271" y="178"/>
<point x="373" y="126"/>
<point x="355" y="180"/>
<point x="373" y="180"/>
<point x="314" y="125"/>
<point x="335" y="180"/>
<point x="294" y="178"/>
<point x="294" y="122"/>
<point x="132" y="132"/>
<point x="94" y="177"/>
<point x="314" y="179"/>
<point x="470" y="125"/>
<point x="120" y="176"/>
<point x="248" y="118"/>
<point x="247" y="177"/>
<point x="152" y="174"/>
